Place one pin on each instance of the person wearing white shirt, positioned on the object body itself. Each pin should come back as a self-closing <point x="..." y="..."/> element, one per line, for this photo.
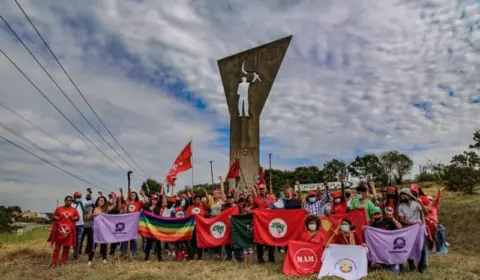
<point x="80" y="205"/>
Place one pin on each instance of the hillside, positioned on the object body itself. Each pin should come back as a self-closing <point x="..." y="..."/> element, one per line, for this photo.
<point x="460" y="214"/>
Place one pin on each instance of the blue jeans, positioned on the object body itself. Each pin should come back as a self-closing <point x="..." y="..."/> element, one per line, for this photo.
<point x="440" y="240"/>
<point x="133" y="247"/>
<point x="78" y="245"/>
<point x="395" y="268"/>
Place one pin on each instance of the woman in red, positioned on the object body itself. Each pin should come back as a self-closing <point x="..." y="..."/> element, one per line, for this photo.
<point x="345" y="234"/>
<point x="312" y="230"/>
<point x="339" y="204"/>
<point x="391" y="200"/>
<point x="63" y="230"/>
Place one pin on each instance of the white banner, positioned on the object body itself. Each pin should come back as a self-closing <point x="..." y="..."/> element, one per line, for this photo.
<point x="332" y="185"/>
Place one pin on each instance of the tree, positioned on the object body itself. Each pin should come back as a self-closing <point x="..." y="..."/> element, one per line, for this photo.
<point x="153" y="187"/>
<point x="6" y="218"/>
<point x="476" y="138"/>
<point x="462" y="174"/>
<point x="396" y="166"/>
<point x="333" y="170"/>
<point x="367" y="166"/>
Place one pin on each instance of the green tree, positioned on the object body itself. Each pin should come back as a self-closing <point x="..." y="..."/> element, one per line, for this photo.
<point x="6" y="218"/>
<point x="476" y="139"/>
<point x="150" y="187"/>
<point x="462" y="174"/>
<point x="333" y="170"/>
<point x="395" y="166"/>
<point x="367" y="166"/>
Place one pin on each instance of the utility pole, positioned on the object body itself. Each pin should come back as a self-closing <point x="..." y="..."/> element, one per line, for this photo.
<point x="270" y="167"/>
<point x="211" y="170"/>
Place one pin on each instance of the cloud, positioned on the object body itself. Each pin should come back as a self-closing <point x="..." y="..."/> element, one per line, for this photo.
<point x="365" y="77"/>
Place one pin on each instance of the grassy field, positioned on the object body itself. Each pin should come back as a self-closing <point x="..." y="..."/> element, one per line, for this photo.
<point x="30" y="259"/>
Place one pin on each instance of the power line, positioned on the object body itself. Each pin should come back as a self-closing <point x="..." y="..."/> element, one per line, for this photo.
<point x="58" y="110"/>
<point x="78" y="90"/>
<point x="52" y="164"/>
<point x="47" y="152"/>
<point x="61" y="90"/>
<point x="36" y="126"/>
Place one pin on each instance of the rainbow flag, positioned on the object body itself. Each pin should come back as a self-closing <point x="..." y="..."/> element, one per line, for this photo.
<point x="166" y="229"/>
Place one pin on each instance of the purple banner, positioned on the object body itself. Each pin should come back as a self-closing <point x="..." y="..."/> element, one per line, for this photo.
<point x="395" y="246"/>
<point x="115" y="228"/>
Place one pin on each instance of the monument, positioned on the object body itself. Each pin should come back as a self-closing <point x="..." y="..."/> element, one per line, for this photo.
<point x="247" y="79"/>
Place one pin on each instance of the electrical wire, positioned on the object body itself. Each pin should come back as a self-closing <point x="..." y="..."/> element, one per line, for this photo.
<point x="78" y="90"/>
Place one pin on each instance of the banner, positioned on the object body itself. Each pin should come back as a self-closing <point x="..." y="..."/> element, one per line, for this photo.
<point x="395" y="246"/>
<point x="333" y="185"/>
<point x="242" y="231"/>
<point x="344" y="261"/>
<point x="303" y="258"/>
<point x="166" y="229"/>
<point x="358" y="218"/>
<point x="277" y="227"/>
<point x="216" y="231"/>
<point x="109" y="228"/>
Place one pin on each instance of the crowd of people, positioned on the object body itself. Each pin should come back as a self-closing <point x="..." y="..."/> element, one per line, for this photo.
<point x="391" y="209"/>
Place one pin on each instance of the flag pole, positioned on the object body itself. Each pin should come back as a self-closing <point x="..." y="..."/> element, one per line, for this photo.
<point x="241" y="172"/>
<point x="270" y="165"/>
<point x="191" y="159"/>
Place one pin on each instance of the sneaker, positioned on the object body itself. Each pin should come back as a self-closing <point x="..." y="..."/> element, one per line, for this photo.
<point x="89" y="263"/>
<point x="104" y="261"/>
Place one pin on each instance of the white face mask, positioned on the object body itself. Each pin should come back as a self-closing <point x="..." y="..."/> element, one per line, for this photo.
<point x="312" y="227"/>
<point x="312" y="199"/>
<point x="359" y="195"/>
<point x="345" y="228"/>
<point x="337" y="200"/>
<point x="182" y="203"/>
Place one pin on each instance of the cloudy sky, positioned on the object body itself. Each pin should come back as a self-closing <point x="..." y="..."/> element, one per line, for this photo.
<point x="359" y="77"/>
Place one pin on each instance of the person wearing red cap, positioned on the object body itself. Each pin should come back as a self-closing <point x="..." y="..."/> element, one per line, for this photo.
<point x="391" y="200"/>
<point x="313" y="205"/>
<point x="339" y="204"/>
<point x="63" y="230"/>
<point x="80" y="205"/>
<point x="263" y="201"/>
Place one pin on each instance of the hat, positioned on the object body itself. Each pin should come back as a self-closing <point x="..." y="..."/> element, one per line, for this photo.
<point x="336" y="195"/>
<point x="77" y="194"/>
<point x="414" y="188"/>
<point x="377" y="209"/>
<point x="154" y="196"/>
<point x="391" y="189"/>
<point x="294" y="194"/>
<point x="312" y="193"/>
<point x="230" y="196"/>
<point x="407" y="192"/>
<point x="172" y="199"/>
<point x="262" y="186"/>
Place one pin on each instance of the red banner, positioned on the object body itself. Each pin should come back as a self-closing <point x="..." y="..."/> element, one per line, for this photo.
<point x="277" y="227"/>
<point x="214" y="232"/>
<point x="303" y="258"/>
<point x="358" y="218"/>
<point x="234" y="171"/>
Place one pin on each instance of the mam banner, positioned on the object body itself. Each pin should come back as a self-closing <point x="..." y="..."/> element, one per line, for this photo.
<point x="115" y="228"/>
<point x="395" y="246"/>
<point x="303" y="258"/>
<point x="277" y="227"/>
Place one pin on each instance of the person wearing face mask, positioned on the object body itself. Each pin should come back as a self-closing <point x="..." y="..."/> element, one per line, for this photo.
<point x="348" y="198"/>
<point x="339" y="205"/>
<point x="390" y="199"/>
<point x="345" y="234"/>
<point x="80" y="205"/>
<point x="362" y="201"/>
<point x="229" y="250"/>
<point x="261" y="200"/>
<point x="312" y="230"/>
<point x="412" y="212"/>
<point x="312" y="204"/>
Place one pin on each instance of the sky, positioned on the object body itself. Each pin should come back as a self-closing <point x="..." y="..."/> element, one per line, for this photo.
<point x="359" y="77"/>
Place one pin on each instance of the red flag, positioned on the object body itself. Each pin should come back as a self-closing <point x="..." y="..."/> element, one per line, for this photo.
<point x="303" y="258"/>
<point x="234" y="170"/>
<point x="216" y="231"/>
<point x="181" y="164"/>
<point x="171" y="180"/>
<point x="261" y="176"/>
<point x="357" y="216"/>
<point x="276" y="227"/>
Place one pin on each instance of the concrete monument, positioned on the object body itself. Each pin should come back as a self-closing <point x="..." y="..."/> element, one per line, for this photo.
<point x="247" y="79"/>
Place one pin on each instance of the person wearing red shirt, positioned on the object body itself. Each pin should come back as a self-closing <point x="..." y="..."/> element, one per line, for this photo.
<point x="197" y="208"/>
<point x="63" y="231"/>
<point x="345" y="234"/>
<point x="134" y="204"/>
<point x="431" y="219"/>
<point x="312" y="230"/>
<point x="391" y="200"/>
<point x="339" y="204"/>
<point x="263" y="201"/>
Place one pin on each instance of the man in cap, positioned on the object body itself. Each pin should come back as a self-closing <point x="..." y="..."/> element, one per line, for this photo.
<point x="313" y="205"/>
<point x="80" y="206"/>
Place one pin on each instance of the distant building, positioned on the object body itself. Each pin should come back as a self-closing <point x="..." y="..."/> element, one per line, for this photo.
<point x="29" y="214"/>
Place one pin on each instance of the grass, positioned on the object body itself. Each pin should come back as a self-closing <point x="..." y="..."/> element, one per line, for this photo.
<point x="460" y="214"/>
<point x="34" y="234"/>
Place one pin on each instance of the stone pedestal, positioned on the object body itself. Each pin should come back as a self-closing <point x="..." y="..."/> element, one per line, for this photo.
<point x="247" y="79"/>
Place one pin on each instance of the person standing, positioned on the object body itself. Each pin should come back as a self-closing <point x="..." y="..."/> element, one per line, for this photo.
<point x="134" y="204"/>
<point x="63" y="233"/>
<point x="101" y="207"/>
<point x="80" y="205"/>
<point x="313" y="205"/>
<point x="263" y="201"/>
<point x="87" y="225"/>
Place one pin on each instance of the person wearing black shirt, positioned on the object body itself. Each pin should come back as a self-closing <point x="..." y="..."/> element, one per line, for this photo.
<point x="290" y="201"/>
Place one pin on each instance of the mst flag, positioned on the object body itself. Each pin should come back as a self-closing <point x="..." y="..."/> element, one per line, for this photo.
<point x="303" y="258"/>
<point x="181" y="164"/>
<point x="345" y="261"/>
<point x="331" y="222"/>
<point x="234" y="171"/>
<point x="216" y="231"/>
<point x="115" y="228"/>
<point x="166" y="229"/>
<point x="242" y="231"/>
<point x="277" y="227"/>
<point x="395" y="246"/>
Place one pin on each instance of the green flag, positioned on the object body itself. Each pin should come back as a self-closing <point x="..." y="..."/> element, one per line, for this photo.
<point x="242" y="231"/>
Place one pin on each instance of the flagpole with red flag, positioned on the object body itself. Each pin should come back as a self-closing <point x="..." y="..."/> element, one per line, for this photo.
<point x="181" y="164"/>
